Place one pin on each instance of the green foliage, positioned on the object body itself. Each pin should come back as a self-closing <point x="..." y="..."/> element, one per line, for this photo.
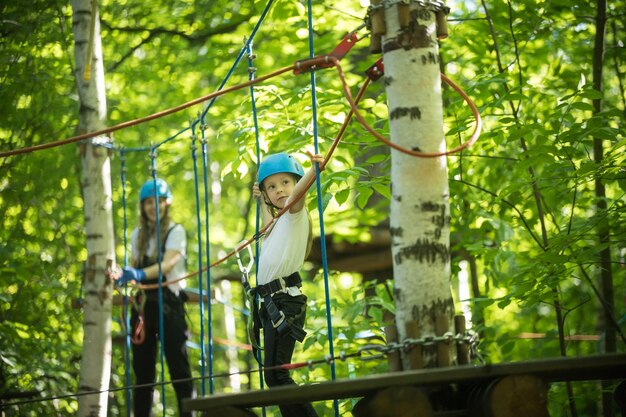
<point x="523" y="204"/>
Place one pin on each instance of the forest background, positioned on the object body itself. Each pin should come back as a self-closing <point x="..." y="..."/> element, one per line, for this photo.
<point x="528" y="227"/>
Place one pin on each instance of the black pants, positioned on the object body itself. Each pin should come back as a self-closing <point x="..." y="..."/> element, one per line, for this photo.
<point x="175" y="335"/>
<point x="278" y="350"/>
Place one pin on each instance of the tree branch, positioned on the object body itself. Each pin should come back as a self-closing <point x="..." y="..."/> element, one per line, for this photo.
<point x="196" y="38"/>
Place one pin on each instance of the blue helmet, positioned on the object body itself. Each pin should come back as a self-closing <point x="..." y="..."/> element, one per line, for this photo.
<point x="279" y="162"/>
<point x="148" y="190"/>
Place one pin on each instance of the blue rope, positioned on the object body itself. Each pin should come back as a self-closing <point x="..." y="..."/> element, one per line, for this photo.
<point x="258" y="206"/>
<point x="174" y="136"/>
<point x="208" y="255"/>
<point x="126" y="315"/>
<point x="199" y="230"/>
<point x="110" y="145"/>
<point x="241" y="53"/>
<point x="320" y="207"/>
<point x="160" y="289"/>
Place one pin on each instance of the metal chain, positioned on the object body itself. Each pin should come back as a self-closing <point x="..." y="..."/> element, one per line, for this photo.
<point x="372" y="352"/>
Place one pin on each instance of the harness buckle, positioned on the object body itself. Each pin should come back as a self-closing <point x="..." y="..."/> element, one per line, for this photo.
<point x="277" y="324"/>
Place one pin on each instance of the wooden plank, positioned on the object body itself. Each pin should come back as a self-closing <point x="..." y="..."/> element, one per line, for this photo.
<point x="595" y="367"/>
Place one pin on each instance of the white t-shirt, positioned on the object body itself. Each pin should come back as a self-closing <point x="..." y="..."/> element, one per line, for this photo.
<point x="177" y="241"/>
<point x="284" y="250"/>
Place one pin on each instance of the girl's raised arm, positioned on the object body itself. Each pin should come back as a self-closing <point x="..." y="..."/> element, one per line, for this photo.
<point x="300" y="186"/>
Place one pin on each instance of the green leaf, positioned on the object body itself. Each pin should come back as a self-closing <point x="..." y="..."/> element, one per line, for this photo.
<point x="342" y="196"/>
<point x="375" y="159"/>
<point x="363" y="197"/>
<point x="591" y="94"/>
<point x="382" y="190"/>
<point x="580" y="105"/>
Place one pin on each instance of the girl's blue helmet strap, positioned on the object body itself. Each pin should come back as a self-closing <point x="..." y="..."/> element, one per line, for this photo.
<point x="276" y="163"/>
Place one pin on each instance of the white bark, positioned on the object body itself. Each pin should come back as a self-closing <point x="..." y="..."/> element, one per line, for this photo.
<point x="420" y="211"/>
<point x="96" y="187"/>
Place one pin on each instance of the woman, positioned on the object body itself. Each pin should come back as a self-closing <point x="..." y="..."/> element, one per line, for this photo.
<point x="145" y="269"/>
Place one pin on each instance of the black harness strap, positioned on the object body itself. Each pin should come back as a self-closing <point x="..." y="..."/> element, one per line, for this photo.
<point x="277" y="317"/>
<point x="147" y="262"/>
<point x="276" y="285"/>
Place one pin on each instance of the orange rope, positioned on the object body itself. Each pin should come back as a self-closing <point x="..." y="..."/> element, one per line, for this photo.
<point x="397" y="147"/>
<point x="134" y="122"/>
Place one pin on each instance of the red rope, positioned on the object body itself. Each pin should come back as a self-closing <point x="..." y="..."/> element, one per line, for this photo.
<point x="143" y="119"/>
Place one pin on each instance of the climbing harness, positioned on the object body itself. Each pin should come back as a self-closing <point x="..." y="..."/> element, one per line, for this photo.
<point x="282" y="324"/>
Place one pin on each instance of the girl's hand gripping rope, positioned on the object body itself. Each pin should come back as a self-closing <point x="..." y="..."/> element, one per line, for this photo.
<point x="316" y="158"/>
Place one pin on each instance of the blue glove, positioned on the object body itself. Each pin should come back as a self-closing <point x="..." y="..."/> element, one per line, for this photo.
<point x="131" y="274"/>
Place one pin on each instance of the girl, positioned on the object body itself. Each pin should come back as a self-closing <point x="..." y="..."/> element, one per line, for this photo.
<point x="145" y="268"/>
<point x="284" y="249"/>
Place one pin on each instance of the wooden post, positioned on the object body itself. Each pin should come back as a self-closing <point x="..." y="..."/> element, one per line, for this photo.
<point x="510" y="396"/>
<point x="462" y="348"/>
<point x="443" y="348"/>
<point x="405" y="401"/>
<point x="414" y="356"/>
<point x="378" y="28"/>
<point x="393" y="358"/>
<point x="442" y="24"/>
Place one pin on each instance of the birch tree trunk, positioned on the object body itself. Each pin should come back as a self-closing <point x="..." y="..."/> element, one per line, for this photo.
<point x="96" y="186"/>
<point x="420" y="213"/>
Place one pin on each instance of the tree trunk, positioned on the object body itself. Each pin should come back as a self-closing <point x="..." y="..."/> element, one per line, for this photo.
<point x="606" y="272"/>
<point x="420" y="213"/>
<point x="96" y="186"/>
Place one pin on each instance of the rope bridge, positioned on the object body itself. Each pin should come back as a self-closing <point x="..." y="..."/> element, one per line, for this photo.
<point x="197" y="129"/>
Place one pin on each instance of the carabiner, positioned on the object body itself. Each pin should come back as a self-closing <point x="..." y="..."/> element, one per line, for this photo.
<point x="245" y="270"/>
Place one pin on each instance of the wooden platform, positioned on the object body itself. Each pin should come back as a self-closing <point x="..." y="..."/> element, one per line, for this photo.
<point x="597" y="367"/>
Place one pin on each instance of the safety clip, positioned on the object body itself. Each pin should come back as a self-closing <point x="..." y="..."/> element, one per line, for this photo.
<point x="376" y="71"/>
<point x="319" y="62"/>
<point x="245" y="270"/>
